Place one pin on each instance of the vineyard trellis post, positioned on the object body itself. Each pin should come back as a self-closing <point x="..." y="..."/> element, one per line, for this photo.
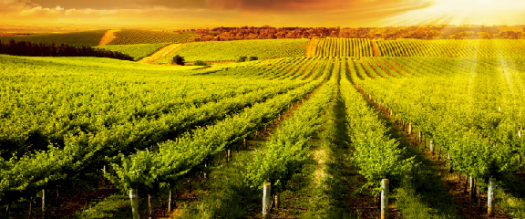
<point x="169" y="198"/>
<point x="490" y="197"/>
<point x="432" y="147"/>
<point x="43" y="200"/>
<point x="149" y="207"/>
<point x="7" y="211"/>
<point x="384" y="199"/>
<point x="30" y="207"/>
<point x="267" y="188"/>
<point x="134" y="197"/>
<point x="471" y="185"/>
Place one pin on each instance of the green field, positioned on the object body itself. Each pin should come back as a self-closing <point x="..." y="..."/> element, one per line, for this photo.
<point x="128" y="37"/>
<point x="84" y="38"/>
<point x="339" y="47"/>
<point x="232" y="50"/>
<point x="86" y="134"/>
<point x="137" y="51"/>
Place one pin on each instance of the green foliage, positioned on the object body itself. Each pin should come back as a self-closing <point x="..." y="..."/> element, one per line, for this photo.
<point x="200" y="63"/>
<point x="136" y="51"/>
<point x="232" y="50"/>
<point x="128" y="37"/>
<point x="452" y="48"/>
<point x="439" y="110"/>
<point x="288" y="149"/>
<point x="344" y="47"/>
<point x="378" y="156"/>
<point x="106" y="84"/>
<point x="85" y="38"/>
<point x="242" y="59"/>
<point x="179" y="60"/>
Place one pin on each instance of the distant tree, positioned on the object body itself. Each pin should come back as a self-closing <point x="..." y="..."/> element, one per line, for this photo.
<point x="200" y="63"/>
<point x="253" y="58"/>
<point x="179" y="60"/>
<point x="242" y="59"/>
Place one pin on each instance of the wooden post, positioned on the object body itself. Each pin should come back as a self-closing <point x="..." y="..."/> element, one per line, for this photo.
<point x="149" y="206"/>
<point x="104" y="176"/>
<point x="134" y="197"/>
<point x="471" y="191"/>
<point x="43" y="200"/>
<point x="228" y="155"/>
<point x="409" y="128"/>
<point x="466" y="183"/>
<point x="7" y="211"/>
<point x="169" y="198"/>
<point x="491" y="198"/>
<point x="449" y="163"/>
<point x="432" y="147"/>
<point x="267" y="188"/>
<point x="384" y="199"/>
<point x="277" y="201"/>
<point x="419" y="137"/>
<point x="478" y="195"/>
<point x="30" y="203"/>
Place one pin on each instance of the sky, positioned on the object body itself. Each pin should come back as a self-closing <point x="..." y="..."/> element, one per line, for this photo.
<point x="63" y="15"/>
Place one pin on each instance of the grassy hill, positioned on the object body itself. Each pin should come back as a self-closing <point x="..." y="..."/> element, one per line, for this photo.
<point x="232" y="50"/>
<point x="126" y="37"/>
<point x="136" y="51"/>
<point x="84" y="38"/>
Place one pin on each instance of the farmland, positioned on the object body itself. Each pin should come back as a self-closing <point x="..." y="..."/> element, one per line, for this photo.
<point x="85" y="38"/>
<point x="340" y="47"/>
<point x="137" y="51"/>
<point x="435" y="123"/>
<point x="129" y="37"/>
<point x="232" y="50"/>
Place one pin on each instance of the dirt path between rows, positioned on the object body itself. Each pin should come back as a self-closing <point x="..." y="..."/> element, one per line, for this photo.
<point x="376" y="49"/>
<point x="161" y="53"/>
<point x="310" y="47"/>
<point x="108" y="37"/>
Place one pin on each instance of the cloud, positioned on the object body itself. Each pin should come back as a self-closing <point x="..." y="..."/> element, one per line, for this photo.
<point x="38" y="11"/>
<point x="89" y="12"/>
<point x="15" y="5"/>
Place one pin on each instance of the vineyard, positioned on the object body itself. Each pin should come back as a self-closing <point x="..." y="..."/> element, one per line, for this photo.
<point x="136" y="51"/>
<point x="232" y="50"/>
<point x="341" y="47"/>
<point x="129" y="37"/>
<point x="85" y="38"/>
<point x="358" y="130"/>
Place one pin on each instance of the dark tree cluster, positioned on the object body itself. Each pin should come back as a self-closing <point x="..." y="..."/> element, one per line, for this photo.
<point x="245" y="58"/>
<point x="426" y="32"/>
<point x="179" y="60"/>
<point x="23" y="48"/>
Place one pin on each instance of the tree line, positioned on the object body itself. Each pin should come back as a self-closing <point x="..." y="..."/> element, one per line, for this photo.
<point x="426" y="32"/>
<point x="23" y="48"/>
